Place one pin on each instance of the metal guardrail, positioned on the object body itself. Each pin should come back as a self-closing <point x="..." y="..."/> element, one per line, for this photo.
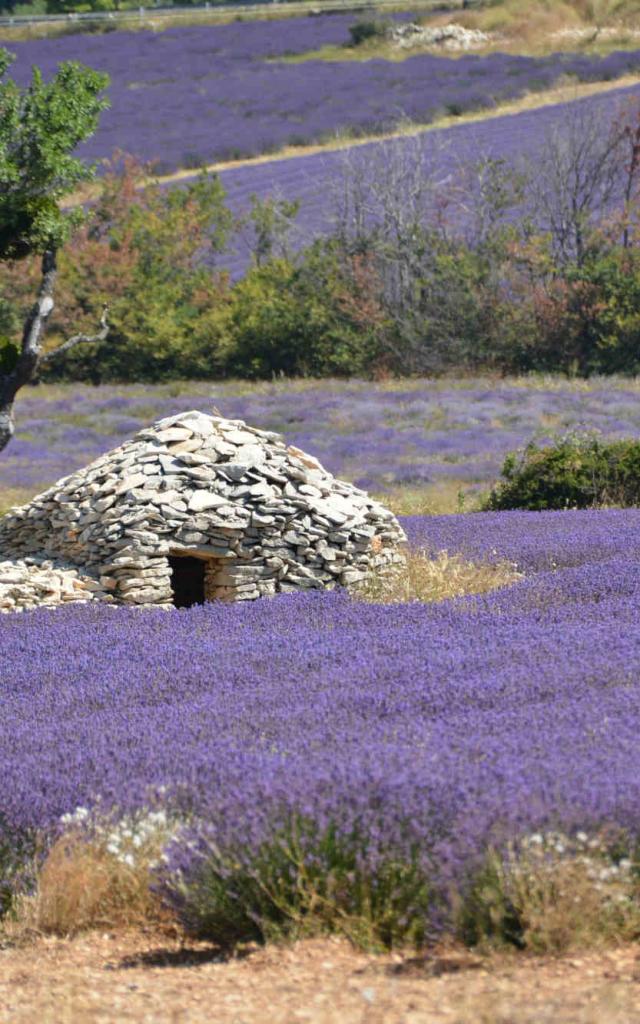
<point x="293" y="6"/>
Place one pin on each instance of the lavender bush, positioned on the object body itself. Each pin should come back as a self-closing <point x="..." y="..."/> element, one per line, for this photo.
<point x="191" y="95"/>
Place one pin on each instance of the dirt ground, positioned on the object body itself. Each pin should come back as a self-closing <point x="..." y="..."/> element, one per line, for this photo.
<point x="151" y="979"/>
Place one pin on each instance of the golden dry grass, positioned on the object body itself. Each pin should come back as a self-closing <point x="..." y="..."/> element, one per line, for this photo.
<point x="81" y="886"/>
<point x="430" y="578"/>
<point x="532" y="27"/>
<point x="441" y="498"/>
<point x="563" y="899"/>
<point x="12" y="496"/>
<point x="534" y="23"/>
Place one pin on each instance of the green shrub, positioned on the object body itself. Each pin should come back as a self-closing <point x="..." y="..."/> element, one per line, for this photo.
<point x="18" y="857"/>
<point x="365" y="29"/>
<point x="312" y="318"/>
<point x="577" y="471"/>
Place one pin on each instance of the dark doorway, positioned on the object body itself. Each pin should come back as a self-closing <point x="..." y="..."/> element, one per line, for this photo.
<point x="187" y="581"/>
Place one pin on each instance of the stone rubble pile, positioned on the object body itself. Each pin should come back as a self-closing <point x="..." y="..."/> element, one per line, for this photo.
<point x="31" y="582"/>
<point x="264" y="517"/>
<point x="448" y="37"/>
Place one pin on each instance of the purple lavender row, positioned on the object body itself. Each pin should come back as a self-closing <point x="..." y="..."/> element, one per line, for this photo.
<point x="534" y="541"/>
<point x="313" y="179"/>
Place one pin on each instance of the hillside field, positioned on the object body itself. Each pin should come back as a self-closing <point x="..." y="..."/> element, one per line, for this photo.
<point x="191" y="96"/>
<point x="426" y="445"/>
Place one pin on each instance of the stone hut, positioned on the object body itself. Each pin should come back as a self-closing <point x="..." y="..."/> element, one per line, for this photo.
<point x="195" y="508"/>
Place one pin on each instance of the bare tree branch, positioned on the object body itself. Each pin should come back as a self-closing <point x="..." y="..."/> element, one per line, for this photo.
<point x="78" y="339"/>
<point x="577" y="176"/>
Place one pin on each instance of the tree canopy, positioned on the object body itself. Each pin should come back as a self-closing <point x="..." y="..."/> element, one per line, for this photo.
<point x="40" y="127"/>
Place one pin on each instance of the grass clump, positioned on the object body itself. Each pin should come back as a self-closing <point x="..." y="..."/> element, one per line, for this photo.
<point x="429" y="578"/>
<point x="551" y="893"/>
<point x="97" y="876"/>
<point x="576" y="471"/>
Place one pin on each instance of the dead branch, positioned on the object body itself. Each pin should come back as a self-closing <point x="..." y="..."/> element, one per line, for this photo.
<point x="78" y="339"/>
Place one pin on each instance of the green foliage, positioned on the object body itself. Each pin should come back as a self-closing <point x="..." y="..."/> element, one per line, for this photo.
<point x="577" y="471"/>
<point x="272" y="221"/>
<point x="298" y="319"/>
<point x="304" y="883"/>
<point x="67" y="6"/>
<point x="401" y="294"/>
<point x="40" y="127"/>
<point x="9" y="319"/>
<point x="592" y="320"/>
<point x="365" y="29"/>
<point x="18" y="859"/>
<point x="143" y="255"/>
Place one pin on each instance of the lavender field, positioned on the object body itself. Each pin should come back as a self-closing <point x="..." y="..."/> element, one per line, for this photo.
<point x="192" y="95"/>
<point x="379" y="762"/>
<point x="434" y="437"/>
<point x="412" y="733"/>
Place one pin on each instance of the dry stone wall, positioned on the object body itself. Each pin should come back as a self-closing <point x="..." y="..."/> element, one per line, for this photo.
<point x="265" y="517"/>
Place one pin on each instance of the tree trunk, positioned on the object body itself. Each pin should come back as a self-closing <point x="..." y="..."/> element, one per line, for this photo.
<point x="31" y="355"/>
<point x="31" y="348"/>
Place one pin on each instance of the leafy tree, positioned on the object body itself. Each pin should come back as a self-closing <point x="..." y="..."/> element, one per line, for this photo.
<point x="272" y="220"/>
<point x="40" y="127"/>
<point x="150" y="251"/>
<point x="73" y="6"/>
<point x="316" y="317"/>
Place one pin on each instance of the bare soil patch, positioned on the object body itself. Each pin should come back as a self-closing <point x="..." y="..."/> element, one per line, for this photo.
<point x="149" y="978"/>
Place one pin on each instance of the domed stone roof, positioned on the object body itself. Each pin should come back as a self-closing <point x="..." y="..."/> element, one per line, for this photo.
<point x="195" y="508"/>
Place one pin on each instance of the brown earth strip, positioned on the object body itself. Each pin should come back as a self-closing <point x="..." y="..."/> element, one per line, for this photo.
<point x="152" y="979"/>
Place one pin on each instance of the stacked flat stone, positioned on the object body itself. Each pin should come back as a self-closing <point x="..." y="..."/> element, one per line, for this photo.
<point x="265" y="517"/>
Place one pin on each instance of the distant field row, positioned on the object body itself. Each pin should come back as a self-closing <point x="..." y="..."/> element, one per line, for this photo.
<point x="420" y="440"/>
<point x="314" y="179"/>
<point x="195" y="95"/>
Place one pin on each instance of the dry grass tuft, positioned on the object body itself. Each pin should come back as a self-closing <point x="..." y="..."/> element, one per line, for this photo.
<point x="438" y="577"/>
<point x="81" y="885"/>
<point x="551" y="894"/>
<point x="441" y="498"/>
